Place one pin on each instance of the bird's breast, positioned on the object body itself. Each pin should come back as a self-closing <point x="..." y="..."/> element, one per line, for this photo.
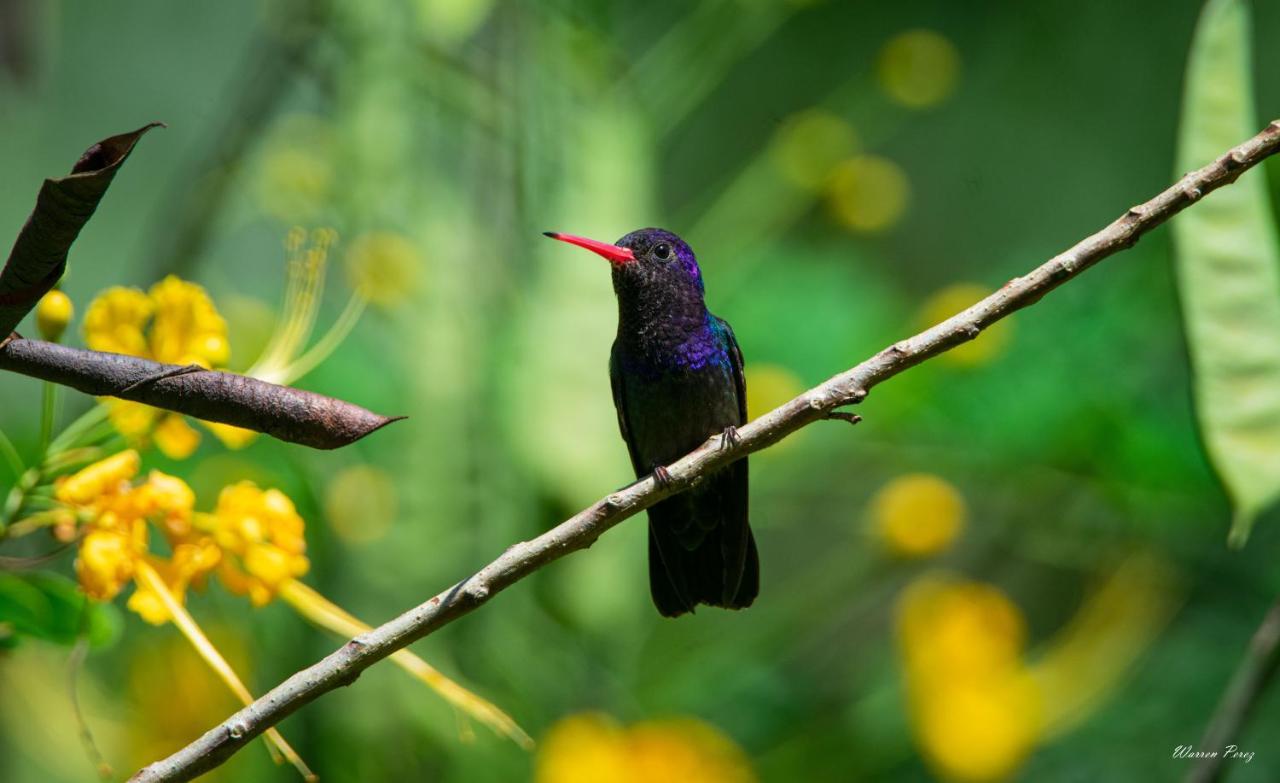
<point x="673" y="409"/>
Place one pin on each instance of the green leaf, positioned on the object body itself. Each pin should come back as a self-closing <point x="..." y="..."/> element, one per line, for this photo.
<point x="50" y="607"/>
<point x="1229" y="273"/>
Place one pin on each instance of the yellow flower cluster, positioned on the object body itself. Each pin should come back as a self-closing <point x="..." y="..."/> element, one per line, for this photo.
<point x="253" y="542"/>
<point x="176" y="323"/>
<point x="115" y="541"/>
<point x="976" y="709"/>
<point x="593" y="748"/>
<point x="262" y="532"/>
<point x="253" y="539"/>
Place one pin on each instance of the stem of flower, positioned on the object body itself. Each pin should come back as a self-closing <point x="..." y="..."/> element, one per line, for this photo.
<point x="10" y="455"/>
<point x="148" y="578"/>
<point x="48" y="411"/>
<point x="331" y="617"/>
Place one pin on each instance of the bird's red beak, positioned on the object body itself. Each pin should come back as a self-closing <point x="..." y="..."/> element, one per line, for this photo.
<point x="615" y="254"/>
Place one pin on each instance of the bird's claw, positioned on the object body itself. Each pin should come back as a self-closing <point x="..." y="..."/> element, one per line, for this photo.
<point x="729" y="438"/>
<point x="662" y="477"/>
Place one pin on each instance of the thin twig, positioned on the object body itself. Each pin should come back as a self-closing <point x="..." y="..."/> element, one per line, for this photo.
<point x="283" y="412"/>
<point x="344" y="665"/>
<point x="1254" y="672"/>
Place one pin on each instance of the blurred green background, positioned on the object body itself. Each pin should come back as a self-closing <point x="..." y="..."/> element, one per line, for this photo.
<point x="848" y="173"/>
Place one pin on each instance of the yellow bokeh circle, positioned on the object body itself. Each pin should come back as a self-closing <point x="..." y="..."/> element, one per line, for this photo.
<point x="361" y="503"/>
<point x="868" y="193"/>
<point x="918" y="515"/>
<point x="809" y="145"/>
<point x="384" y="267"/>
<point x="918" y="68"/>
<point x="949" y="301"/>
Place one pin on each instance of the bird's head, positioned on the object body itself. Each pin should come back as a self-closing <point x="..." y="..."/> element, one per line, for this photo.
<point x="647" y="260"/>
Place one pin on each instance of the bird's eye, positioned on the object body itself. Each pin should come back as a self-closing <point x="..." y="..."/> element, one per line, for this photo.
<point x="662" y="251"/>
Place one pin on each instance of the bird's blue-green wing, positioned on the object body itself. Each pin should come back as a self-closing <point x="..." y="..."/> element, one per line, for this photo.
<point x="735" y="359"/>
<point x="620" y="405"/>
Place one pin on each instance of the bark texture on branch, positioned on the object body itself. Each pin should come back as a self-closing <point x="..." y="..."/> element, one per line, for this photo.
<point x="344" y="665"/>
<point x="63" y="206"/>
<point x="283" y="412"/>
<point x="1255" y="671"/>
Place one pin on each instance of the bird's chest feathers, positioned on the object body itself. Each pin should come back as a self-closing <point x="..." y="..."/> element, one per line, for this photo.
<point x="672" y="347"/>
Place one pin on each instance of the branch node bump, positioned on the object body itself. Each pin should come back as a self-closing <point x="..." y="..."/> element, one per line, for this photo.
<point x="852" y="418"/>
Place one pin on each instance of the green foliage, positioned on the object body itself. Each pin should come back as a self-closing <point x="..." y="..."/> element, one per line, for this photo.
<point x="48" y="606"/>
<point x="1229" y="273"/>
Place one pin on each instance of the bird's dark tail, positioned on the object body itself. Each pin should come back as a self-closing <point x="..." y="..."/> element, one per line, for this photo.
<point x="701" y="550"/>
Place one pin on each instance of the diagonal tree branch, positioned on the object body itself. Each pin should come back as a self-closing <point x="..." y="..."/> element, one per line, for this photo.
<point x="283" y="412"/>
<point x="1253" y="674"/>
<point x="36" y="263"/>
<point x="344" y="665"/>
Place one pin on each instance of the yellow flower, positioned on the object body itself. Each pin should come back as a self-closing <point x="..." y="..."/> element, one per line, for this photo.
<point x="951" y="300"/>
<point x="917" y="515"/>
<point x="190" y="563"/>
<point x="113" y="551"/>
<point x="593" y="748"/>
<point x="109" y="476"/>
<point x="115" y="321"/>
<point x="175" y="322"/>
<point x="948" y="625"/>
<point x="116" y="536"/>
<point x="105" y="563"/>
<point x="53" y="313"/>
<point x="980" y="729"/>
<point x="186" y="328"/>
<point x="264" y="532"/>
<point x="976" y="711"/>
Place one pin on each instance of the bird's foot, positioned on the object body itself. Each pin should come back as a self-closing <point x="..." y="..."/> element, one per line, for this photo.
<point x="729" y="438"/>
<point x="852" y="418"/>
<point x="662" y="476"/>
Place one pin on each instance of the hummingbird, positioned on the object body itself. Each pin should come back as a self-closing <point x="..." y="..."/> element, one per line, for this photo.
<point x="676" y="373"/>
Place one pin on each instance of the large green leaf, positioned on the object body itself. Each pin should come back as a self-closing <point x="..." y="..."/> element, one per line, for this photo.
<point x="50" y="607"/>
<point x="1229" y="273"/>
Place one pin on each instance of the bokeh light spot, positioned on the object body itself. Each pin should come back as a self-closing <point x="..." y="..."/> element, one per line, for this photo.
<point x="295" y="175"/>
<point x="918" y="515"/>
<point x="809" y="145"/>
<point x="918" y="68"/>
<point x="361" y="503"/>
<point x="984" y="348"/>
<point x="384" y="267"/>
<point x="867" y="193"/>
<point x="768" y="386"/>
<point x="593" y="748"/>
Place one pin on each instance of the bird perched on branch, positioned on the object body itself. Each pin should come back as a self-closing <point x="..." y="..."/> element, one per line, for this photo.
<point x="677" y="379"/>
